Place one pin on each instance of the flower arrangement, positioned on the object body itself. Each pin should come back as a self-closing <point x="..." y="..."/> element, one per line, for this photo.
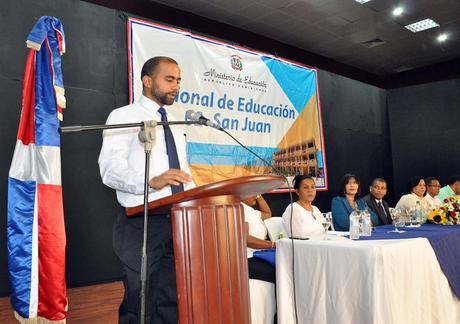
<point x="448" y="212"/>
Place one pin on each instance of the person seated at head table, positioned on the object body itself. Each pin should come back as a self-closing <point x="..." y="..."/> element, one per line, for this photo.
<point x="376" y="203"/>
<point x="416" y="189"/>
<point x="452" y="189"/>
<point x="256" y="237"/>
<point x="306" y="218"/>
<point x="432" y="190"/>
<point x="347" y="201"/>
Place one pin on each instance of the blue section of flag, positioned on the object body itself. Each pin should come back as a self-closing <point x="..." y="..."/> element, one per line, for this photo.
<point x="21" y="201"/>
<point x="213" y="154"/>
<point x="56" y="56"/>
<point x="46" y="123"/>
<point x="298" y="83"/>
<point x="46" y="28"/>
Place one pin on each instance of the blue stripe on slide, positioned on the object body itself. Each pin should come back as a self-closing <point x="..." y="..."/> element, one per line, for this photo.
<point x="298" y="83"/>
<point x="214" y="154"/>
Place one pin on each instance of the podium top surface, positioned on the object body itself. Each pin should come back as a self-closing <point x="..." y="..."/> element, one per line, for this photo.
<point x="243" y="187"/>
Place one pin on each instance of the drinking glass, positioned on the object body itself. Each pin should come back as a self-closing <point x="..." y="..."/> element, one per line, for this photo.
<point x="328" y="217"/>
<point x="398" y="220"/>
<point x="413" y="221"/>
<point x="326" y="222"/>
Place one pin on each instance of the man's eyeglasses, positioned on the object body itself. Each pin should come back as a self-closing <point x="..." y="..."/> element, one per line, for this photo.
<point x="438" y="186"/>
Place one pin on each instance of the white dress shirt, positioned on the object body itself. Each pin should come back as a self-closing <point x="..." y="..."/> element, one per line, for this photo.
<point x="304" y="222"/>
<point x="122" y="157"/>
<point x="379" y="203"/>
<point x="433" y="202"/>
<point x="256" y="225"/>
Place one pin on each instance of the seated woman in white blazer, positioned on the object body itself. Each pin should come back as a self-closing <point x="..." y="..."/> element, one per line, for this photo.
<point x="306" y="218"/>
<point x="416" y="190"/>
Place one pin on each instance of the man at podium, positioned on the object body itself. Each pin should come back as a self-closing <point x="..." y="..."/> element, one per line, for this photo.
<point x="121" y="164"/>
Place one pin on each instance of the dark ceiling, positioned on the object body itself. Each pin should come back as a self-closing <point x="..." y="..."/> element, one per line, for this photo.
<point x="365" y="37"/>
<point x="342" y="29"/>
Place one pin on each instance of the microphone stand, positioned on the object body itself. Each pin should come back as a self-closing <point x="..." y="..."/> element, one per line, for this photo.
<point x="147" y="135"/>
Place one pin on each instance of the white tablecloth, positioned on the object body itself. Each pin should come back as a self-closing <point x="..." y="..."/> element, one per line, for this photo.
<point x="363" y="282"/>
<point x="263" y="301"/>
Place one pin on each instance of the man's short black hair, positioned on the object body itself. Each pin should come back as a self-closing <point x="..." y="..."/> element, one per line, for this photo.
<point x="428" y="180"/>
<point x="151" y="64"/>
<point x="377" y="180"/>
<point x="454" y="179"/>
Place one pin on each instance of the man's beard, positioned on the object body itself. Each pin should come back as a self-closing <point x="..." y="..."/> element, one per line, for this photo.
<point x="163" y="98"/>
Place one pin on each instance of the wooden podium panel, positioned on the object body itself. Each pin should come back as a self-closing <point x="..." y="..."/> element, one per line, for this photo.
<point x="210" y="247"/>
<point x="211" y="261"/>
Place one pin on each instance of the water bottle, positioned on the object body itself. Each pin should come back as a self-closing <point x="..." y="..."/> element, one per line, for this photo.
<point x="418" y="215"/>
<point x="354" y="225"/>
<point x="366" y="222"/>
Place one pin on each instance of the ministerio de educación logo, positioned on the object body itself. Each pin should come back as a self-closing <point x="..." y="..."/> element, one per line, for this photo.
<point x="237" y="63"/>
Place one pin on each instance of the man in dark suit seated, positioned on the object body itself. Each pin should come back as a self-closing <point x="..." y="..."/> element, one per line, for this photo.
<point x="375" y="202"/>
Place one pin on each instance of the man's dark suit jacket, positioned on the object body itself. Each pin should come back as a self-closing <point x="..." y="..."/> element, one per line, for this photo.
<point x="372" y="204"/>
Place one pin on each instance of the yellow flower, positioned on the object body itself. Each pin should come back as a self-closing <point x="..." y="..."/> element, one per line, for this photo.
<point x="448" y="212"/>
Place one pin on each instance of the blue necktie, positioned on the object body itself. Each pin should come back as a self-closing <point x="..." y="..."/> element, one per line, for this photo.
<point x="171" y="149"/>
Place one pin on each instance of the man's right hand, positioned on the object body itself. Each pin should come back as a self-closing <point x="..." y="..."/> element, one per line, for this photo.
<point x="172" y="177"/>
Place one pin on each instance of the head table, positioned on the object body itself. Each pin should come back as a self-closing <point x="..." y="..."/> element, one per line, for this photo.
<point x="385" y="279"/>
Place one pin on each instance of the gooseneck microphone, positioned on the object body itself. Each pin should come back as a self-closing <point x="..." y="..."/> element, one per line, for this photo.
<point x="198" y="116"/>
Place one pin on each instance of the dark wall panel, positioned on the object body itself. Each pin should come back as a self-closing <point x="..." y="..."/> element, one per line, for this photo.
<point x="89" y="206"/>
<point x="355" y="130"/>
<point x="425" y="127"/>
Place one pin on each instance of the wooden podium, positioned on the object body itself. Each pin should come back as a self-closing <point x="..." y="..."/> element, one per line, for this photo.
<point x="210" y="248"/>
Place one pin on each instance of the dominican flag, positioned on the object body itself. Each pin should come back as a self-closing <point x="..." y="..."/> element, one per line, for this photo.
<point x="35" y="229"/>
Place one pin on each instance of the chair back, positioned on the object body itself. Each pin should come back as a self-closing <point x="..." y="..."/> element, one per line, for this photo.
<point x="274" y="227"/>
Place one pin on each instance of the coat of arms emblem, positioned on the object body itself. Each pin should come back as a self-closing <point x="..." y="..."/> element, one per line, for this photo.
<point x="236" y="62"/>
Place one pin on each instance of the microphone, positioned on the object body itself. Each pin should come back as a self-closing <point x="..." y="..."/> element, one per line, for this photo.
<point x="198" y="116"/>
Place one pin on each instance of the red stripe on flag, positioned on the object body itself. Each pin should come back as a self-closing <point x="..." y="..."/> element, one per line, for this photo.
<point x="52" y="300"/>
<point x="60" y="41"/>
<point x="26" y="131"/>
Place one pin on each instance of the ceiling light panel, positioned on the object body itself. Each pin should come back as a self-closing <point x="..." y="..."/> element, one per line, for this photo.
<point x="422" y="25"/>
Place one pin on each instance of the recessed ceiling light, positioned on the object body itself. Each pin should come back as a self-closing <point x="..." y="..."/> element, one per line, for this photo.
<point x="422" y="25"/>
<point x="442" y="38"/>
<point x="362" y="1"/>
<point x="398" y="11"/>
